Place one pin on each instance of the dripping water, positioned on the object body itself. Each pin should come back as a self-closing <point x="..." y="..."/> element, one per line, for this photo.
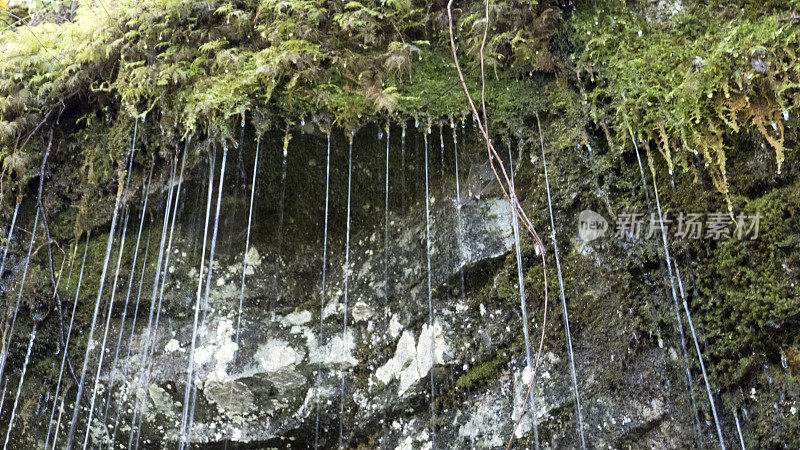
<point x="8" y="239"/>
<point x="19" y="386"/>
<point x="105" y="334"/>
<point x="322" y="289"/>
<point x="346" y="282"/>
<point x="739" y="429"/>
<point x="561" y="292"/>
<point x="669" y="267"/>
<point x="133" y="330"/>
<point x="523" y="305"/>
<point x="386" y="227"/>
<point x="699" y="356"/>
<point x="7" y="344"/>
<point x="459" y="226"/>
<point x="145" y="345"/>
<point x="430" y="295"/>
<point x="281" y="203"/>
<point x="128" y="295"/>
<point x="244" y="265"/>
<point x="209" y="278"/>
<point x="109" y="244"/>
<point x="66" y="346"/>
<point x="441" y="146"/>
<point x="186" y="395"/>
<point x="403" y="166"/>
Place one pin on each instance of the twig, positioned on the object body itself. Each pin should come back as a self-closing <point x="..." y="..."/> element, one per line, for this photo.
<point x="517" y="208"/>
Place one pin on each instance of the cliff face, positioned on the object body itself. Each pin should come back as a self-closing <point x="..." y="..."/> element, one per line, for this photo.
<point x="129" y="160"/>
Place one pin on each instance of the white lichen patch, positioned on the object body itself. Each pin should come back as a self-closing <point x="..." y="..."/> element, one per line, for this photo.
<point x="412" y="361"/>
<point x="162" y="403"/>
<point x="277" y="354"/>
<point x="219" y="349"/>
<point x="361" y="312"/>
<point x="487" y="421"/>
<point x="395" y="327"/>
<point x="172" y="346"/>
<point x="234" y="398"/>
<point x="297" y="318"/>
<point x="337" y="351"/>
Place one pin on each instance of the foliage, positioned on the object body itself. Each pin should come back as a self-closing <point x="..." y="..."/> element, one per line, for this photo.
<point x="201" y="67"/>
<point x="686" y="85"/>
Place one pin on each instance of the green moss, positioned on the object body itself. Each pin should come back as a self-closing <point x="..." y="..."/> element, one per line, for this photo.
<point x="483" y="372"/>
<point x="749" y="292"/>
<point x="686" y="88"/>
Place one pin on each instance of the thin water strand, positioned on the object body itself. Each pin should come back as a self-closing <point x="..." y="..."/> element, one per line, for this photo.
<point x="130" y="288"/>
<point x="564" y="310"/>
<point x="669" y="266"/>
<point x="169" y="248"/>
<point x="3" y="397"/>
<point x="322" y="288"/>
<point x="430" y="294"/>
<point x="7" y="344"/>
<point x="459" y="225"/>
<point x="187" y="391"/>
<point x="133" y="330"/>
<point x="441" y="147"/>
<point x="244" y="266"/>
<point x="8" y="239"/>
<point x="346" y="283"/>
<point x="211" y="263"/>
<point x="739" y="429"/>
<point x="386" y="224"/>
<point x="522" y="302"/>
<point x="109" y="244"/>
<point x="66" y="344"/>
<point x="146" y="340"/>
<point x="105" y="333"/>
<point x="19" y="386"/>
<point x="700" y="359"/>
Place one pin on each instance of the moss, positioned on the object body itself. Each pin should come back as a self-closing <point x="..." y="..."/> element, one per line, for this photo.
<point x="733" y="74"/>
<point x="483" y="372"/>
<point x="749" y="293"/>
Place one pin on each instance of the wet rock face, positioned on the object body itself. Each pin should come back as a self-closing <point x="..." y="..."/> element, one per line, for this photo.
<point x="263" y="387"/>
<point x="267" y="384"/>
